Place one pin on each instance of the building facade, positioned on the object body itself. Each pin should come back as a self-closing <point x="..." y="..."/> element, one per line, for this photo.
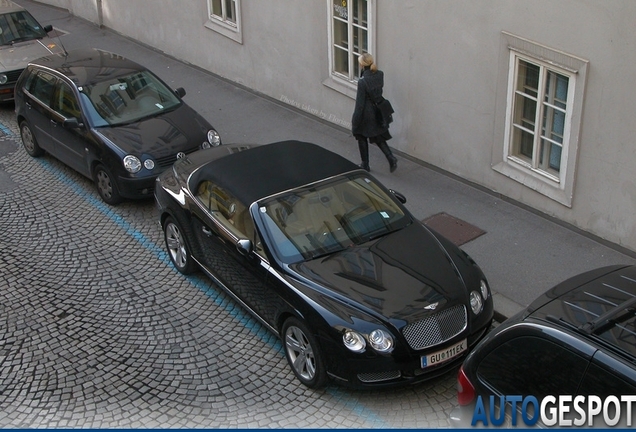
<point x="527" y="99"/>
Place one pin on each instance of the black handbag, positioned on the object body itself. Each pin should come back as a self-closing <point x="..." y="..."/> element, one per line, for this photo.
<point x="386" y="111"/>
<point x="383" y="111"/>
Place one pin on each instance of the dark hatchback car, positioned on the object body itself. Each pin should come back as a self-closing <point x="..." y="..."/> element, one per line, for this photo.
<point x="22" y="39"/>
<point x="328" y="259"/>
<point x="579" y="338"/>
<point x="109" y="118"/>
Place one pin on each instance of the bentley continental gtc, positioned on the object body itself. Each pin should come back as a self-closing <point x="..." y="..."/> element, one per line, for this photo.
<point x="359" y="291"/>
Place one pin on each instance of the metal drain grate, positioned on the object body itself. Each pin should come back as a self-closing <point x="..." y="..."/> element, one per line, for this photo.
<point x="456" y="230"/>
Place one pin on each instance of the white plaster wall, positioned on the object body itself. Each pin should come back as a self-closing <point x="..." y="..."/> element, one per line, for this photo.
<point x="441" y="59"/>
<point x="87" y="9"/>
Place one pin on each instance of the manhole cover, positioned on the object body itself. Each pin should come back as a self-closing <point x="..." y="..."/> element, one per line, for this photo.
<point x="456" y="230"/>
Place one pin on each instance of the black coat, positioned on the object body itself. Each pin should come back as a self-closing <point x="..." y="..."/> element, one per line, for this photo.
<point x="364" y="121"/>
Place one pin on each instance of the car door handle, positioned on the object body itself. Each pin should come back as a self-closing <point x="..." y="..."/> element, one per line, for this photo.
<point x="53" y="122"/>
<point x="207" y="231"/>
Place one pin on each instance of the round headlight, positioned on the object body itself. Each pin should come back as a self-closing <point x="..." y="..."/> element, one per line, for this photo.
<point x="354" y="341"/>
<point x="476" y="303"/>
<point x="149" y="164"/>
<point x="214" y="138"/>
<point x="380" y="341"/>
<point x="484" y="289"/>
<point x="3" y="79"/>
<point x="132" y="164"/>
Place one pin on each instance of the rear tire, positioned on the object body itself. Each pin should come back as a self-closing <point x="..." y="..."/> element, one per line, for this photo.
<point x="29" y="142"/>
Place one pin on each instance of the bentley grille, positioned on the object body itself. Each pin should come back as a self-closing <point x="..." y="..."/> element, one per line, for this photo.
<point x="436" y="328"/>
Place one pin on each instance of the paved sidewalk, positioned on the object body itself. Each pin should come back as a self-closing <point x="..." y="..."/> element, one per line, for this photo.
<point x="522" y="253"/>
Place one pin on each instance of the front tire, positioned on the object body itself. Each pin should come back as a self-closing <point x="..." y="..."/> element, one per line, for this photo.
<point x="303" y="354"/>
<point x="29" y="142"/>
<point x="178" y="247"/>
<point x="106" y="185"/>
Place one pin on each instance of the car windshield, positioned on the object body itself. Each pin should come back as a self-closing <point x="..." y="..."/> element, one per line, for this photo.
<point x="329" y="217"/>
<point x="127" y="99"/>
<point x="19" y="26"/>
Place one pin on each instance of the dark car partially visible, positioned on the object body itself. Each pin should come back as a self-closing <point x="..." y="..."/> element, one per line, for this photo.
<point x="22" y="39"/>
<point x="109" y="118"/>
<point x="577" y="339"/>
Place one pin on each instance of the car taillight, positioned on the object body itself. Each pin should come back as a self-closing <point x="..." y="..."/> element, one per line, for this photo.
<point x="465" y="390"/>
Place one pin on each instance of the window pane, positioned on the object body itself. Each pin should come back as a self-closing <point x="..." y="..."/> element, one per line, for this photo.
<point x="528" y="81"/>
<point x="522" y="143"/>
<point x="230" y="11"/>
<point x="550" y="157"/>
<point x="524" y="122"/>
<point x="360" y="12"/>
<point x="360" y="40"/>
<point x="66" y="103"/>
<point x="525" y="111"/>
<point x="340" y="62"/>
<point x="340" y="33"/>
<point x="532" y="366"/>
<point x="217" y="9"/>
<point x="556" y="89"/>
<point x="340" y="9"/>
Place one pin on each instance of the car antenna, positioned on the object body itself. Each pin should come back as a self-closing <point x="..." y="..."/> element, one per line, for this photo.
<point x="59" y="39"/>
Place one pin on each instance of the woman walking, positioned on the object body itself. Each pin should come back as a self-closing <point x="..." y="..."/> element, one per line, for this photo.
<point x="364" y="124"/>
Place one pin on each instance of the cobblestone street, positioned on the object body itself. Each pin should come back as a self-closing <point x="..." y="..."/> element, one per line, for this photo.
<point x="97" y="330"/>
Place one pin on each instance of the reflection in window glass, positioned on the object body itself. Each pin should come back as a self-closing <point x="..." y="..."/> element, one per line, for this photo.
<point x="532" y="366"/>
<point x="330" y="217"/>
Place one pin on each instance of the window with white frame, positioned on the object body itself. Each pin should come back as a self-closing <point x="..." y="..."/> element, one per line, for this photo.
<point x="539" y="116"/>
<point x="544" y="103"/>
<point x="224" y="16"/>
<point x="351" y="30"/>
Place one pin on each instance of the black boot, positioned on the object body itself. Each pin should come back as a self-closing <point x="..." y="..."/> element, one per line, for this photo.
<point x="389" y="155"/>
<point x="363" y="146"/>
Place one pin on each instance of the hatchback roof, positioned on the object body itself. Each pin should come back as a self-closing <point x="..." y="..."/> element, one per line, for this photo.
<point x="265" y="170"/>
<point x="87" y="66"/>
<point x="603" y="305"/>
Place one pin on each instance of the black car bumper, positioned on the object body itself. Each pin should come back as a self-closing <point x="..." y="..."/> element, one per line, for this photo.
<point x="136" y="188"/>
<point x="389" y="371"/>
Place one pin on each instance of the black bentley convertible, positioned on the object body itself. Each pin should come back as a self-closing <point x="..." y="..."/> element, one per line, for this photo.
<point x="325" y="256"/>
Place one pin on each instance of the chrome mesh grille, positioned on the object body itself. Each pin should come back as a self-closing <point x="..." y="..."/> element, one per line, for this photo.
<point x="379" y="376"/>
<point x="436" y="328"/>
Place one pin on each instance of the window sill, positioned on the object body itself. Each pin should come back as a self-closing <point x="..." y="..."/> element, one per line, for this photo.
<point x="345" y="87"/>
<point x="543" y="183"/>
<point x="229" y="31"/>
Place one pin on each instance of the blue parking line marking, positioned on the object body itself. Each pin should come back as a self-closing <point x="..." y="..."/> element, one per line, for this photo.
<point x="5" y="130"/>
<point x="206" y="286"/>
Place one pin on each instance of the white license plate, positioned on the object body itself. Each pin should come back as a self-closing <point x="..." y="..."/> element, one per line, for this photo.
<point x="444" y="355"/>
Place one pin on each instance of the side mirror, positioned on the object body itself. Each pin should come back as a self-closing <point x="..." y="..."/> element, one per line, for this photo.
<point x="48" y="28"/>
<point x="180" y="92"/>
<point x="71" y="123"/>
<point x="401" y="198"/>
<point x="245" y="246"/>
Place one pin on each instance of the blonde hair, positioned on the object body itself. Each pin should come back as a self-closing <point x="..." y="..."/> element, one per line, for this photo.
<point x="366" y="60"/>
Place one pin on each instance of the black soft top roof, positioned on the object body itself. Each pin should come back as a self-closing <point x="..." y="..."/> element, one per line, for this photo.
<point x="260" y="171"/>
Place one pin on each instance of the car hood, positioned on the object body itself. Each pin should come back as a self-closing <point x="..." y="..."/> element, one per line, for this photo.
<point x="18" y="55"/>
<point x="402" y="277"/>
<point x="179" y="130"/>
